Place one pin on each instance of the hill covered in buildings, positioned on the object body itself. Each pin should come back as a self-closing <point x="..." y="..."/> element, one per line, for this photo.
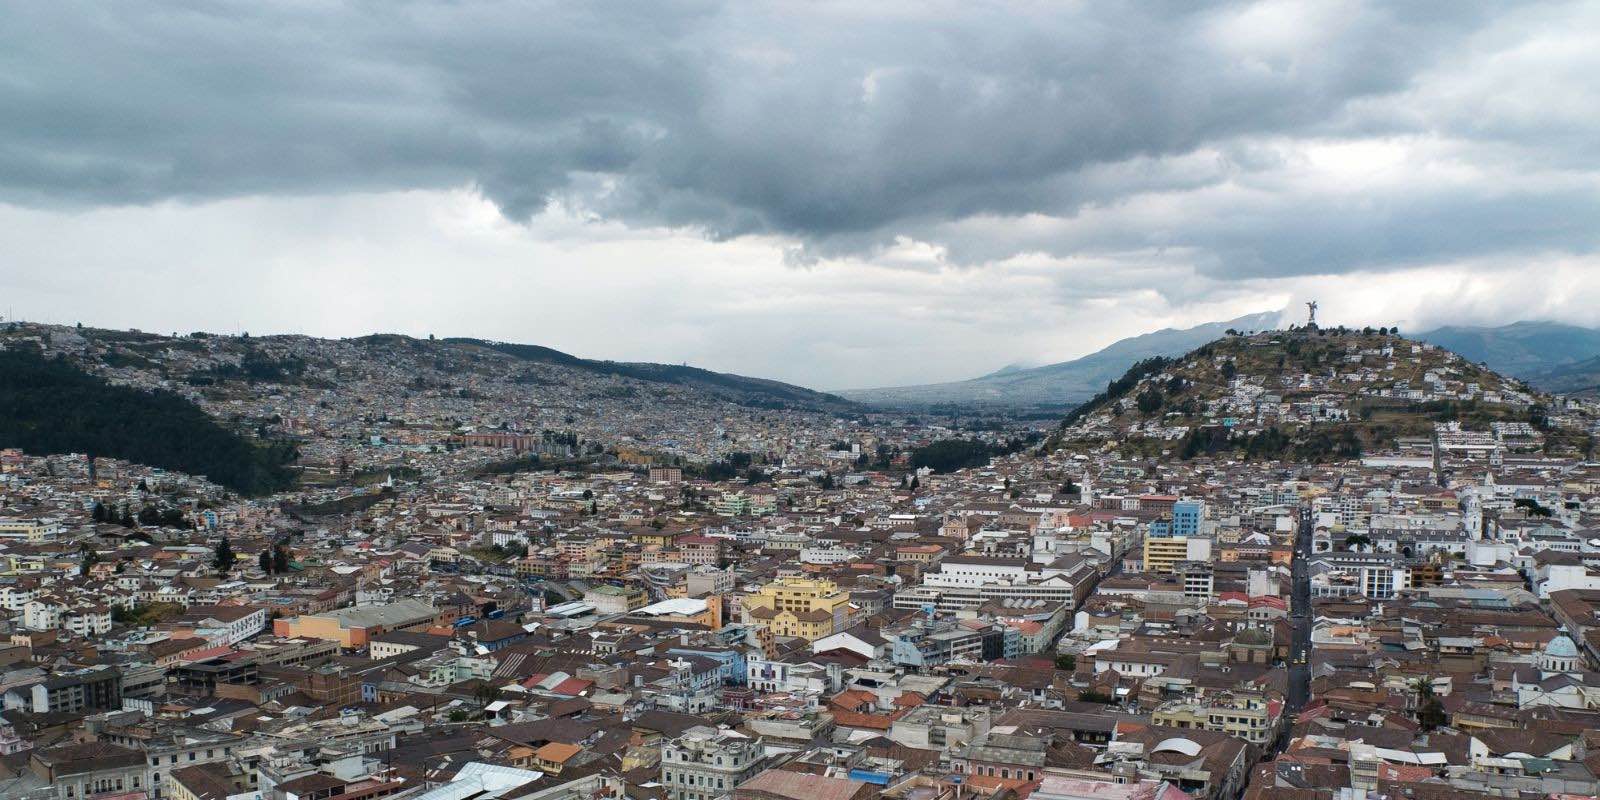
<point x="50" y="405"/>
<point x="760" y="392"/>
<point x="404" y="398"/>
<point x="1307" y="394"/>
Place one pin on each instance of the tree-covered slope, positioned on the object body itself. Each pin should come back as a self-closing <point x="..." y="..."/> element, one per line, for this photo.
<point x="51" y="406"/>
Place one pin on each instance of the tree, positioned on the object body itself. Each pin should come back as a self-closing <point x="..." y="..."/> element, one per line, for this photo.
<point x="485" y="694"/>
<point x="1357" y="541"/>
<point x="264" y="561"/>
<point x="125" y="519"/>
<point x="280" y="559"/>
<point x="99" y="512"/>
<point x="1067" y="661"/>
<point x="1430" y="712"/>
<point x="1149" y="401"/>
<point x="90" y="558"/>
<point x="224" y="557"/>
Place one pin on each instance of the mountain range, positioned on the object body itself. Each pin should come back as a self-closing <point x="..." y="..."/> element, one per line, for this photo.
<point x="1552" y="356"/>
<point x="1064" y="384"/>
<point x="739" y="389"/>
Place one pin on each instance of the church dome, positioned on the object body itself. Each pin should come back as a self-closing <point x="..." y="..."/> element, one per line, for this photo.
<point x="1561" y="647"/>
<point x="1252" y="637"/>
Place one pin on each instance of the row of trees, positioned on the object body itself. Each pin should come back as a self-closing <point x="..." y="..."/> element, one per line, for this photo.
<point x="149" y="515"/>
<point x="1271" y="443"/>
<point x="273" y="561"/>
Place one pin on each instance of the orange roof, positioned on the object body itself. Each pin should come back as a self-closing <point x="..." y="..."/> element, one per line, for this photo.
<point x="909" y="700"/>
<point x="557" y="752"/>
<point x="851" y="719"/>
<point x="1403" y="773"/>
<point x="854" y="698"/>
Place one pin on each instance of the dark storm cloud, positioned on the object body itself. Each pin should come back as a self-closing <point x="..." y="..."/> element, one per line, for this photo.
<point x="840" y="125"/>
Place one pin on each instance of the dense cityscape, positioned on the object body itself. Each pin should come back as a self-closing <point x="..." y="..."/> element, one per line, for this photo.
<point x="1288" y="565"/>
<point x="743" y="400"/>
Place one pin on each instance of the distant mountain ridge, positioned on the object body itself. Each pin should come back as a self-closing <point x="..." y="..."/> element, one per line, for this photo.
<point x="1546" y="354"/>
<point x="737" y="388"/>
<point x="1066" y="383"/>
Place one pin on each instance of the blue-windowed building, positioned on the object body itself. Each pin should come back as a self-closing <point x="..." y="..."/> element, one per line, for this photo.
<point x="1185" y="521"/>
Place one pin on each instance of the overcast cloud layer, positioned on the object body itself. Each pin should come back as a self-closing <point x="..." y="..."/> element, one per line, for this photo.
<point x="839" y="194"/>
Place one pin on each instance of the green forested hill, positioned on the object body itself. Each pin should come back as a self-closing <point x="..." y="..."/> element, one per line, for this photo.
<point x="51" y="406"/>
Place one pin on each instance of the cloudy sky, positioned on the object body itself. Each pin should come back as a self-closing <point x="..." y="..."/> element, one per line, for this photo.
<point x="838" y="194"/>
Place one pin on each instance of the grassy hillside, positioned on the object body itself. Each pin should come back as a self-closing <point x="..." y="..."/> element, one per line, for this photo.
<point x="51" y="406"/>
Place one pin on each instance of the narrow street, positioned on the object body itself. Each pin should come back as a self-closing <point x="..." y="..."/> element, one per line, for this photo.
<point x="1300" y="620"/>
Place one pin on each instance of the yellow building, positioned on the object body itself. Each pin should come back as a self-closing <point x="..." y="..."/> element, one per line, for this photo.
<point x="651" y="536"/>
<point x="810" y="608"/>
<point x="1162" y="552"/>
<point x="1242" y="717"/>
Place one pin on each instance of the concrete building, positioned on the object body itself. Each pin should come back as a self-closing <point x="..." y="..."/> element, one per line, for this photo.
<point x="809" y="608"/>
<point x="354" y="627"/>
<point x="705" y="763"/>
<point x="1161" y="554"/>
<point x="608" y="599"/>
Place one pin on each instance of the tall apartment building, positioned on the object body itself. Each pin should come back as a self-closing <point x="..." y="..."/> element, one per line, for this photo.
<point x="1184" y="521"/>
<point x="84" y="690"/>
<point x="1163" y="553"/>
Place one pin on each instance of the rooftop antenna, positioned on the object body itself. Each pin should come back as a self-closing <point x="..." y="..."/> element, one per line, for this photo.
<point x="1312" y="307"/>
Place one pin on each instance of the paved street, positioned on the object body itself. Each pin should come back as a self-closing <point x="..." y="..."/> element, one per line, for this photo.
<point x="1300" y="620"/>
